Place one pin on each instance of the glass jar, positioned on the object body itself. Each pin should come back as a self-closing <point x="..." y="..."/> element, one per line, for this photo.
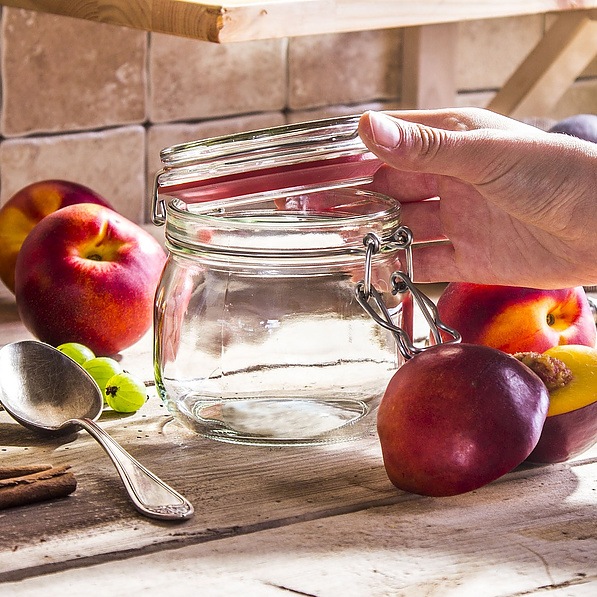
<point x="259" y="338"/>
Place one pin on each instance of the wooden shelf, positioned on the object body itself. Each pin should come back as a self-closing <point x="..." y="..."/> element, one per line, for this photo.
<point x="244" y="20"/>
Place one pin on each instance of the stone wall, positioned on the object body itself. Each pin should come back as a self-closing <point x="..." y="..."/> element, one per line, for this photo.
<point x="95" y="103"/>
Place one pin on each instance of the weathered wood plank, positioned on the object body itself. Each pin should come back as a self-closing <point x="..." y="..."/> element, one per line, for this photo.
<point x="520" y="536"/>
<point x="429" y="66"/>
<point x="233" y="488"/>
<point x="236" y="490"/>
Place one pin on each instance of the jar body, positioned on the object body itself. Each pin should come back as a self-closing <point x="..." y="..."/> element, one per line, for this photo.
<point x="272" y="349"/>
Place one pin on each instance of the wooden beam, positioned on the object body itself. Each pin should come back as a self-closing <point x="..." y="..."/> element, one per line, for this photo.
<point x="551" y="68"/>
<point x="429" y="66"/>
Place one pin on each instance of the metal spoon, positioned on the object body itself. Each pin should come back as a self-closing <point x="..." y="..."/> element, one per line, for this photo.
<point x="46" y="391"/>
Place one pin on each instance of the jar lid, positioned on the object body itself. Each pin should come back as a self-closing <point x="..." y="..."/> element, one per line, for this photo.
<point x="324" y="153"/>
<point x="317" y="139"/>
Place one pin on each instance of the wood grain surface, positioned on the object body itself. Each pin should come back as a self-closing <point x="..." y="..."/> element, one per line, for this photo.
<point x="242" y="20"/>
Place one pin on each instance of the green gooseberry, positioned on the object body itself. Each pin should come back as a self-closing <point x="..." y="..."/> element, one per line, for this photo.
<point x="125" y="393"/>
<point x="76" y="351"/>
<point x="102" y="369"/>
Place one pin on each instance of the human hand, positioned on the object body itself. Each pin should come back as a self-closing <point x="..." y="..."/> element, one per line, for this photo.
<point x="518" y="205"/>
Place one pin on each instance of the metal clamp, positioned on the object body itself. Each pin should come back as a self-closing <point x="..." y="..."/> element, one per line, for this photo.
<point x="401" y="282"/>
<point x="158" y="205"/>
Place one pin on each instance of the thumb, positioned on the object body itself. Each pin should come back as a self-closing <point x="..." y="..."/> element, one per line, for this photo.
<point x="419" y="148"/>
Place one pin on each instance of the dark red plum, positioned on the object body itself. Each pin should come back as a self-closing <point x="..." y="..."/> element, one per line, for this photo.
<point x="458" y="416"/>
<point x="583" y="126"/>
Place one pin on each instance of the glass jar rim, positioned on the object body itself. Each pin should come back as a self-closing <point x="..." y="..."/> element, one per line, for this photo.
<point x="304" y="143"/>
<point x="259" y="228"/>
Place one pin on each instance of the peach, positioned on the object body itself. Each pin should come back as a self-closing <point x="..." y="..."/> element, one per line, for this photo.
<point x="29" y="206"/>
<point x="517" y="319"/>
<point x="86" y="274"/>
<point x="571" y="425"/>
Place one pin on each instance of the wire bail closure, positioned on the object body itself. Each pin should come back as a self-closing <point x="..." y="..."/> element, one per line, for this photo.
<point x="401" y="282"/>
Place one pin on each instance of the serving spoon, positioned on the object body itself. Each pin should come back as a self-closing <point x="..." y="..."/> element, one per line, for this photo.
<point x="46" y="391"/>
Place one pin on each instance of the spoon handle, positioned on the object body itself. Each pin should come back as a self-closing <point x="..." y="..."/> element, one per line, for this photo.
<point x="150" y="495"/>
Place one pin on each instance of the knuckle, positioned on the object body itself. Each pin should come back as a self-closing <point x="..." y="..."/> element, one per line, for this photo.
<point x="431" y="141"/>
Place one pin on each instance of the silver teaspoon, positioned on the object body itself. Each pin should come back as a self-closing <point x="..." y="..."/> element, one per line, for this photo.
<point x="46" y="391"/>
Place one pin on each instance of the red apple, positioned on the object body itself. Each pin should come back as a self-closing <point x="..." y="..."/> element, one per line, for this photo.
<point x="517" y="319"/>
<point x="29" y="206"/>
<point x="571" y="425"/>
<point x="87" y="274"/>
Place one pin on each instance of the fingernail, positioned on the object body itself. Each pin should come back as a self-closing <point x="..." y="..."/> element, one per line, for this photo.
<point x="384" y="130"/>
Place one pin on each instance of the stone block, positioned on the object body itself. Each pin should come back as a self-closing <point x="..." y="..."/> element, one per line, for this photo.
<point x="344" y="68"/>
<point x="196" y="80"/>
<point x="64" y="74"/>
<point x="489" y="51"/>
<point x="111" y="162"/>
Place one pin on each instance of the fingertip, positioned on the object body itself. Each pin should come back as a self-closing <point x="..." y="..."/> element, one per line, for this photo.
<point x="379" y="130"/>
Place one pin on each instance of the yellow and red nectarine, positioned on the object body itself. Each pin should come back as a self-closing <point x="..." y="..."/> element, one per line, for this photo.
<point x="517" y="319"/>
<point x="29" y="206"/>
<point x="571" y="424"/>
<point x="87" y="274"/>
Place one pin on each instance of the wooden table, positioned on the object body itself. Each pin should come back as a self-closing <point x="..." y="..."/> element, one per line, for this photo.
<point x="429" y="61"/>
<point x="319" y="521"/>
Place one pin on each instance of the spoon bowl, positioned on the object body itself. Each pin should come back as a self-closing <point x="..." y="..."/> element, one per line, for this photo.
<point x="42" y="388"/>
<point x="46" y="391"/>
